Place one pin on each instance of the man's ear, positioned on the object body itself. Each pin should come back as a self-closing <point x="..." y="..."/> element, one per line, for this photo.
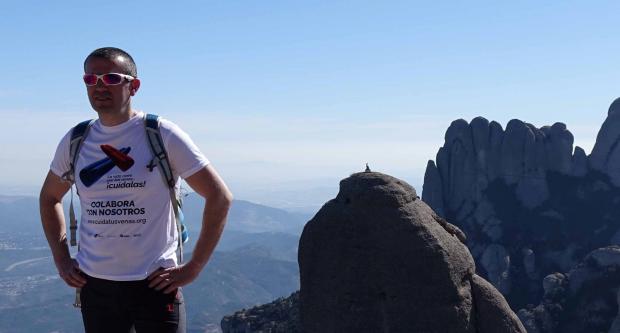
<point x="135" y="85"/>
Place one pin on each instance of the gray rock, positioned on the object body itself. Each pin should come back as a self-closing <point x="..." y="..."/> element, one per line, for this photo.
<point x="529" y="262"/>
<point x="615" y="325"/>
<point x="443" y="160"/>
<point x="484" y="212"/>
<point x="528" y="189"/>
<point x="480" y="131"/>
<point x="553" y="281"/>
<point x="279" y="316"/>
<point x="488" y="300"/>
<point x="615" y="239"/>
<point x="528" y="318"/>
<point x="432" y="190"/>
<point x="532" y="189"/>
<point x="605" y="153"/>
<point x="375" y="259"/>
<point x="606" y="257"/>
<point x="564" y="258"/>
<point x="481" y="169"/>
<point x="496" y="262"/>
<point x="496" y="140"/>
<point x="461" y="174"/>
<point x="585" y="299"/>
<point x="516" y="153"/>
<point x="493" y="229"/>
<point x="579" y="163"/>
<point x="558" y="148"/>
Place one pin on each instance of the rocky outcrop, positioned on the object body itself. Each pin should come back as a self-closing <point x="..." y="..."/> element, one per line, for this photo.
<point x="605" y="155"/>
<point x="478" y="153"/>
<point x="586" y="299"/>
<point x="279" y="316"/>
<point x="528" y="203"/>
<point x="377" y="259"/>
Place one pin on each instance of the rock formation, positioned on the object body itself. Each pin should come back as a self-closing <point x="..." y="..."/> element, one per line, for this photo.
<point x="605" y="155"/>
<point x="583" y="300"/>
<point x="279" y="316"/>
<point x="377" y="259"/>
<point x="528" y="203"/>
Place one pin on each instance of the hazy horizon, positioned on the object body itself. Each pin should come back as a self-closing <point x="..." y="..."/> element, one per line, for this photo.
<point x="292" y="96"/>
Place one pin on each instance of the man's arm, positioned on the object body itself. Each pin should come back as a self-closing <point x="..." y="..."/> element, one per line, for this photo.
<point x="207" y="183"/>
<point x="53" y="220"/>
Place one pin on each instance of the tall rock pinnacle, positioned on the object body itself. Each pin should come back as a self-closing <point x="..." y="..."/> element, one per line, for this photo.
<point x="605" y="156"/>
<point x="377" y="259"/>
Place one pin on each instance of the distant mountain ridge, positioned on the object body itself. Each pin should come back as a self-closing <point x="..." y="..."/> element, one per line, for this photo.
<point x="253" y="264"/>
<point x="249" y="217"/>
<point x="21" y="214"/>
<point x="34" y="299"/>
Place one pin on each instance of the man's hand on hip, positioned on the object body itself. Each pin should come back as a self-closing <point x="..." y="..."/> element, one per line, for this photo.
<point x="69" y="271"/>
<point x="170" y="279"/>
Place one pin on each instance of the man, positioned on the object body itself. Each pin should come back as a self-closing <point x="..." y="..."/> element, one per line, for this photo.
<point x="126" y="265"/>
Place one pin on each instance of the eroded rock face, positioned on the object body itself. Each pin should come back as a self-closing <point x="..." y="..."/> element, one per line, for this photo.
<point x="480" y="152"/>
<point x="528" y="205"/>
<point x="605" y="155"/>
<point x="378" y="259"/>
<point x="582" y="300"/>
<point x="279" y="316"/>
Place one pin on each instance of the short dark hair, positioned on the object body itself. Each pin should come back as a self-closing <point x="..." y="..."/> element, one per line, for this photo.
<point x="111" y="53"/>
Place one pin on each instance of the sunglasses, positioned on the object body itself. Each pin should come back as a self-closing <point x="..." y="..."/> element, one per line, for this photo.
<point x="109" y="79"/>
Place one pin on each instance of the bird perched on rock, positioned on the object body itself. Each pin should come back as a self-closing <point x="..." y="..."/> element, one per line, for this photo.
<point x="367" y="168"/>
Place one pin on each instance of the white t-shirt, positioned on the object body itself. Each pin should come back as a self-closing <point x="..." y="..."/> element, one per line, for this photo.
<point x="127" y="228"/>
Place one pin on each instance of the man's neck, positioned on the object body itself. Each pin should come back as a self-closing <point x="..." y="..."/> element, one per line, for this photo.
<point x="113" y="119"/>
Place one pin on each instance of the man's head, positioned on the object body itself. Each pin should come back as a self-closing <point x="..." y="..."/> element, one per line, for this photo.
<point x="111" y="98"/>
<point x="113" y="53"/>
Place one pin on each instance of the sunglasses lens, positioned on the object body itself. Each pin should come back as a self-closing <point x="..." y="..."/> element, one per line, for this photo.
<point x="90" y="79"/>
<point x="112" y="79"/>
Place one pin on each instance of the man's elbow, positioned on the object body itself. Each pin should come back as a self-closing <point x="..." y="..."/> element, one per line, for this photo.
<point x="226" y="198"/>
<point x="52" y="191"/>
<point x="221" y="198"/>
<point x="46" y="199"/>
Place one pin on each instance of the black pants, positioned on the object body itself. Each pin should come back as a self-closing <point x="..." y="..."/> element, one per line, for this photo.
<point x="117" y="306"/>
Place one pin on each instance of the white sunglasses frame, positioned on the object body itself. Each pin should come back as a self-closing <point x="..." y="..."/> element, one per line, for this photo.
<point x="129" y="78"/>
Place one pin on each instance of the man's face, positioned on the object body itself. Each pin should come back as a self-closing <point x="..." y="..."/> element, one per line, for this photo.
<point x="112" y="98"/>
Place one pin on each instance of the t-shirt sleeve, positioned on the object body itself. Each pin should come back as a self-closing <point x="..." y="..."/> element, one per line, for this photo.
<point x="61" y="162"/>
<point x="185" y="157"/>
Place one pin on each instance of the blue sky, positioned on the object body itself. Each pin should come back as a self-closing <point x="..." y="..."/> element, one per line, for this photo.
<point x="293" y="95"/>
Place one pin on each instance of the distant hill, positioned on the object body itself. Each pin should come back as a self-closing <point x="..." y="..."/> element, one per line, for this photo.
<point x="254" y="263"/>
<point x="34" y="299"/>
<point x="248" y="217"/>
<point x="21" y="214"/>
<point x="282" y="246"/>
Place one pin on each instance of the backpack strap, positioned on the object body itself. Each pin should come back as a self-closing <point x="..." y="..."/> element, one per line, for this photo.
<point x="160" y="156"/>
<point x="78" y="134"/>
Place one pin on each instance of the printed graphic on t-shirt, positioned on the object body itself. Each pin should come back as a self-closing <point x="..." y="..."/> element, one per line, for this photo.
<point x="94" y="171"/>
<point x="113" y="212"/>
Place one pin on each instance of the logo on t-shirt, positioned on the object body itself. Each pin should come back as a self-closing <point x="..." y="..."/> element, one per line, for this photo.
<point x="115" y="158"/>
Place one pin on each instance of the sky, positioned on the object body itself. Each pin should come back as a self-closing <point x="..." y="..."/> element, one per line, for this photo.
<point x="288" y="97"/>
